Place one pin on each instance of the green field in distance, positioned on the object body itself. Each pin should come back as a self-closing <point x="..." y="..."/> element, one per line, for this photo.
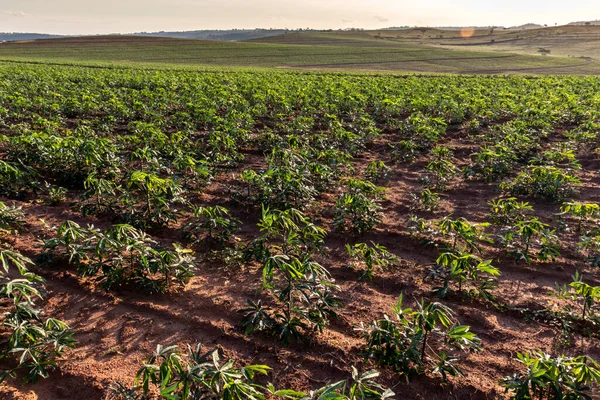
<point x="329" y="51"/>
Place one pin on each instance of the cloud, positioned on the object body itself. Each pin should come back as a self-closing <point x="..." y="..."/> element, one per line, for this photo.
<point x="19" y="14"/>
<point x="380" y="18"/>
<point x="347" y="21"/>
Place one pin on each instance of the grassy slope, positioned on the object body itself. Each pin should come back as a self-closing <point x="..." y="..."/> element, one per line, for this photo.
<point x="338" y="51"/>
<point x="565" y="41"/>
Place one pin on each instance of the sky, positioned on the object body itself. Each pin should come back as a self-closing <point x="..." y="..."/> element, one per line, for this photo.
<point x="126" y="16"/>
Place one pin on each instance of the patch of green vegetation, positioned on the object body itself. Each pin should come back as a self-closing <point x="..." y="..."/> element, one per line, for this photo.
<point x="324" y="51"/>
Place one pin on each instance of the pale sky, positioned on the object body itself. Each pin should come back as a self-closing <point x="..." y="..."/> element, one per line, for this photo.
<point x="125" y="16"/>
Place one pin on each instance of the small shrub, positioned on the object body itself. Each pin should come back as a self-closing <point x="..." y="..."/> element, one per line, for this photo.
<point x="287" y="232"/>
<point x="359" y="208"/>
<point x="464" y="233"/>
<point x="547" y="377"/>
<point x="304" y="291"/>
<point x="420" y="340"/>
<point x="171" y="374"/>
<point x="149" y="200"/>
<point x="404" y="151"/>
<point x="545" y="183"/>
<point x="15" y="180"/>
<point x="56" y="194"/>
<point x="439" y="174"/>
<point x="507" y="211"/>
<point x="214" y="222"/>
<point x="521" y="238"/>
<point x="491" y="163"/>
<point x="427" y="200"/>
<point x="121" y="256"/>
<point x="587" y="295"/>
<point x="373" y="256"/>
<point x="465" y="268"/>
<point x="167" y="372"/>
<point x="377" y="171"/>
<point x="583" y="212"/>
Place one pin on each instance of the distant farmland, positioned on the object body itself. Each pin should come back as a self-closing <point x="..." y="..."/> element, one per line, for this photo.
<point x="313" y="51"/>
<point x="564" y="41"/>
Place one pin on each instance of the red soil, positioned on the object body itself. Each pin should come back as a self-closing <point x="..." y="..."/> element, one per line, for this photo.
<point x="116" y="331"/>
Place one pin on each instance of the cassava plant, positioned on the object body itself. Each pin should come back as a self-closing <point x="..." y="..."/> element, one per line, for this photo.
<point x="371" y="256"/>
<point x="287" y="183"/>
<point x="491" y="163"/>
<point x="302" y="288"/>
<point x="377" y="171"/>
<point x="557" y="378"/>
<point x="213" y="223"/>
<point x="149" y="200"/>
<point x="305" y="295"/>
<point x="426" y="339"/>
<point x="530" y="237"/>
<point x="16" y="180"/>
<point x="56" y="194"/>
<point x="439" y="174"/>
<point x="359" y="208"/>
<point x="121" y="256"/>
<point x="287" y="232"/>
<point x="582" y="212"/>
<point x="33" y="344"/>
<point x="172" y="374"/>
<point x="508" y="210"/>
<point x="464" y="269"/>
<point x="102" y="194"/>
<point x="427" y="200"/>
<point x="404" y="151"/>
<point x="587" y="295"/>
<point x="589" y="248"/>
<point x="463" y="233"/>
<point x="196" y="374"/>
<point x="544" y="182"/>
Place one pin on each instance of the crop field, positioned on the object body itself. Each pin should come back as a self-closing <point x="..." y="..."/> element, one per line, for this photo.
<point x="563" y="41"/>
<point x="306" y="229"/>
<point x="305" y="51"/>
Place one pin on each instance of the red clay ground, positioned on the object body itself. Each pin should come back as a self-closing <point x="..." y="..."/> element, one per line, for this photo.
<point x="116" y="331"/>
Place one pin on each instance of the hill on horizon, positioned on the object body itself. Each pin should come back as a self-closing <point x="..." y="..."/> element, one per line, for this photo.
<point x="595" y="23"/>
<point x="258" y="33"/>
<point x="215" y="34"/>
<point x="10" y="36"/>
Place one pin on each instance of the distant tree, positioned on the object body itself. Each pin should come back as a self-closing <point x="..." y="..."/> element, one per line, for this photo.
<point x="588" y="23"/>
<point x="543" y="51"/>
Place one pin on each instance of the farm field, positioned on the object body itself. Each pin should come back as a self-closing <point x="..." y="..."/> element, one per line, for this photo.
<point x="277" y="216"/>
<point x="344" y="51"/>
<point x="563" y="41"/>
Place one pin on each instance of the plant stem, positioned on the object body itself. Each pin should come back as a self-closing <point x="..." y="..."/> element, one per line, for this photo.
<point x="423" y="348"/>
